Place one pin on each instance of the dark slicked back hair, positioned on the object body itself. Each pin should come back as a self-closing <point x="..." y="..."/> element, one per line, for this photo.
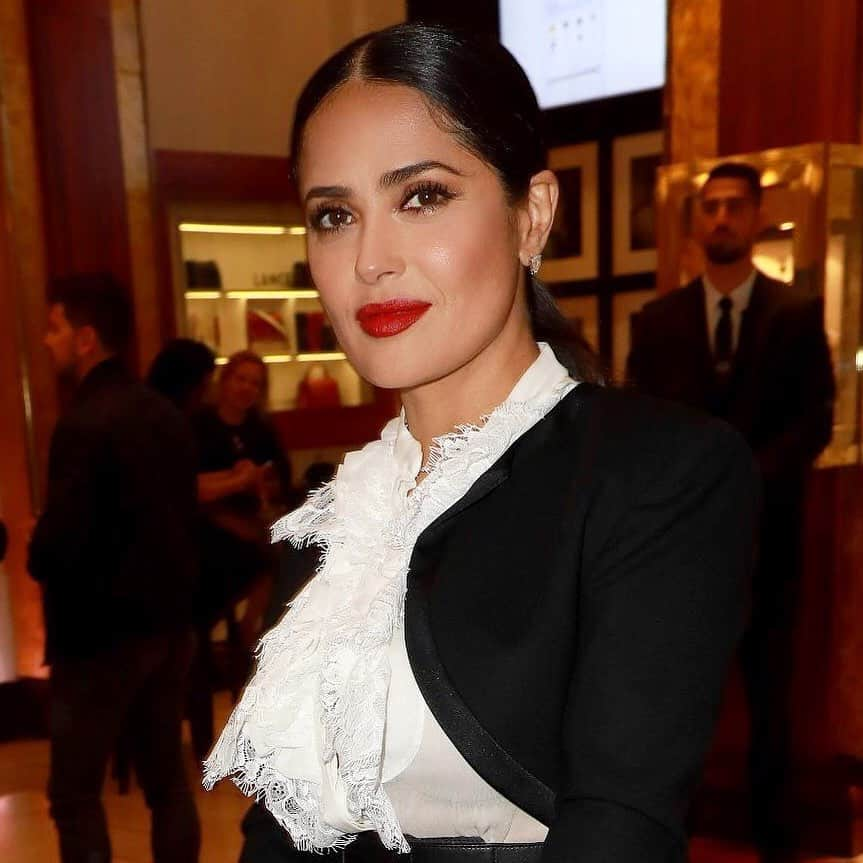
<point x="476" y="91"/>
<point x="739" y="171"/>
<point x="97" y="300"/>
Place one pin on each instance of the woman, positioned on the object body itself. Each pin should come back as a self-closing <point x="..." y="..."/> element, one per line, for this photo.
<point x="243" y="476"/>
<point x="530" y="587"/>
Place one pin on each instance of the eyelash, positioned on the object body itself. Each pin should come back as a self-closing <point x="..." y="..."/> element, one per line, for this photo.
<point x="430" y="187"/>
<point x="323" y="210"/>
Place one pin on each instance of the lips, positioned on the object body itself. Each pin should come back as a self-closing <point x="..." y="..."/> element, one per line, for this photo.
<point x="383" y="320"/>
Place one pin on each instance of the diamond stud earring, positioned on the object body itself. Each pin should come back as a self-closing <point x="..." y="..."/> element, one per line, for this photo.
<point x="535" y="264"/>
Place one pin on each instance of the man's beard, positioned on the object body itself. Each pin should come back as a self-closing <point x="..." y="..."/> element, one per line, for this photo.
<point x="725" y="251"/>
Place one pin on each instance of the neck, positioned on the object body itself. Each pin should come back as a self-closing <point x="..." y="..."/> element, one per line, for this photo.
<point x="726" y="277"/>
<point x="86" y="364"/>
<point x="471" y="392"/>
<point x="231" y="415"/>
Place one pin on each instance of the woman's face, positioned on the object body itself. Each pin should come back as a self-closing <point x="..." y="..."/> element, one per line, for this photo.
<point x="411" y="241"/>
<point x="242" y="389"/>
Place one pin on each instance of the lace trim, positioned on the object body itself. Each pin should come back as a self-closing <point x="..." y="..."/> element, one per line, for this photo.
<point x="327" y="657"/>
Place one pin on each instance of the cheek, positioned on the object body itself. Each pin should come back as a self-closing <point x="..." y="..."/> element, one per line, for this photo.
<point x="332" y="268"/>
<point x="65" y="344"/>
<point x="472" y="260"/>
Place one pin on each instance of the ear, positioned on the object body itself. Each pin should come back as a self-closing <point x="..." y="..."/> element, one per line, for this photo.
<point x="86" y="341"/>
<point x="537" y="214"/>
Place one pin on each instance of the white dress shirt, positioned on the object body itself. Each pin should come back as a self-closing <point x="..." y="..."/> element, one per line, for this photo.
<point x="740" y="296"/>
<point x="331" y="733"/>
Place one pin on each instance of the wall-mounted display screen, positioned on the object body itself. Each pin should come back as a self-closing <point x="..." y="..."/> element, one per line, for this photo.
<point x="580" y="50"/>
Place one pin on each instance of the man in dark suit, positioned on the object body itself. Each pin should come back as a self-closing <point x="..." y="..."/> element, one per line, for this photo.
<point x="113" y="551"/>
<point x="752" y="351"/>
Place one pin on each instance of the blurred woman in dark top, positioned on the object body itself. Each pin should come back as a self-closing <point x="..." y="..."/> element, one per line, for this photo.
<point x="243" y="480"/>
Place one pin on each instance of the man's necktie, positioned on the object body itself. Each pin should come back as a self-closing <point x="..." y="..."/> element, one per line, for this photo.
<point x="722" y="351"/>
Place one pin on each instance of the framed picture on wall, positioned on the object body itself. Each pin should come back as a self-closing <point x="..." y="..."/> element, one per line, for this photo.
<point x="625" y="306"/>
<point x="636" y="159"/>
<point x="583" y="313"/>
<point x="571" y="251"/>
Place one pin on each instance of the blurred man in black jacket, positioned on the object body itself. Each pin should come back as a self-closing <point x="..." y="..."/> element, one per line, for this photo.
<point x="114" y="553"/>
<point x="752" y="351"/>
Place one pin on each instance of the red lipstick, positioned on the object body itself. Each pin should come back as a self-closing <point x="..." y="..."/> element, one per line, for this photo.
<point x="382" y="320"/>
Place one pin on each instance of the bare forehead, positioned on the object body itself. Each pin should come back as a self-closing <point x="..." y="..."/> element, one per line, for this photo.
<point x="726" y="187"/>
<point x="364" y="126"/>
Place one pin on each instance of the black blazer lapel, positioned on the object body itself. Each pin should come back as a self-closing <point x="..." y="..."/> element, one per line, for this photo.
<point x="695" y="316"/>
<point x="704" y="355"/>
<point x="496" y="475"/>
<point x="476" y="745"/>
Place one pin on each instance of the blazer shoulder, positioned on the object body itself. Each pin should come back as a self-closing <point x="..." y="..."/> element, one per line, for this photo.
<point x="671" y="304"/>
<point x="781" y="297"/>
<point x="634" y="416"/>
<point x="640" y="439"/>
<point x="130" y="410"/>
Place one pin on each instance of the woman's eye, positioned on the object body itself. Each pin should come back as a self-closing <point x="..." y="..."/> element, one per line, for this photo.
<point x="331" y="219"/>
<point x="426" y="198"/>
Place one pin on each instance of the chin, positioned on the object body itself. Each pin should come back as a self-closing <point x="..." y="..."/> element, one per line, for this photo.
<point x="389" y="376"/>
<point x="391" y="365"/>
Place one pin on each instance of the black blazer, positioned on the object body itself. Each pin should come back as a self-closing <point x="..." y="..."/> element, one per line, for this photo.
<point x="571" y="619"/>
<point x="114" y="547"/>
<point x="781" y="390"/>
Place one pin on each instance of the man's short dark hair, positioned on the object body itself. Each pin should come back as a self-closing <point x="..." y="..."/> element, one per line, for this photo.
<point x="97" y="300"/>
<point x="738" y="171"/>
<point x="180" y="368"/>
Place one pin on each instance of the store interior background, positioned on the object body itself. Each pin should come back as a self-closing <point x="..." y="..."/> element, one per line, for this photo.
<point x="115" y="111"/>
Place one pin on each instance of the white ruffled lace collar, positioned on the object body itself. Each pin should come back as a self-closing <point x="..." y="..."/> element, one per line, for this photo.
<point x="307" y="736"/>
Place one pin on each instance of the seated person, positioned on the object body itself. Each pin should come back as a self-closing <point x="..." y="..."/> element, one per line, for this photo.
<point x="243" y="480"/>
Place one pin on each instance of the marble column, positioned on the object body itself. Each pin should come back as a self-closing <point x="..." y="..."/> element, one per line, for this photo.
<point x="692" y="97"/>
<point x="147" y="295"/>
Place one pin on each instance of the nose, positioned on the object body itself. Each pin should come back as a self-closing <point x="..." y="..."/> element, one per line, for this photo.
<point x="378" y="254"/>
<point x="722" y="213"/>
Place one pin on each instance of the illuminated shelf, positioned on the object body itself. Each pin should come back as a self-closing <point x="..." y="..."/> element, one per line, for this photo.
<point x="320" y="357"/>
<point x="251" y="230"/>
<point x="290" y="294"/>
<point x="203" y="295"/>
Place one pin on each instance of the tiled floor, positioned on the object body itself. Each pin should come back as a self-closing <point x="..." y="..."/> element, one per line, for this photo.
<point x="27" y="833"/>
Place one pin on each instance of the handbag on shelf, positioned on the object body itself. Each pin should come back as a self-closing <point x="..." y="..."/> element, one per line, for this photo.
<point x="203" y="274"/>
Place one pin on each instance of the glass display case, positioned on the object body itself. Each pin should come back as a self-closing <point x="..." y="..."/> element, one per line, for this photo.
<point x="812" y="236"/>
<point x="242" y="282"/>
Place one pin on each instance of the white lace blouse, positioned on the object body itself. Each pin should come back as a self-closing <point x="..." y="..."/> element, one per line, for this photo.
<point x="331" y="733"/>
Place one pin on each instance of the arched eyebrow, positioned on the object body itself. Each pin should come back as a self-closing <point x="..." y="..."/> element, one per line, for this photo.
<point x="391" y="178"/>
<point x="328" y="192"/>
<point x="401" y="175"/>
